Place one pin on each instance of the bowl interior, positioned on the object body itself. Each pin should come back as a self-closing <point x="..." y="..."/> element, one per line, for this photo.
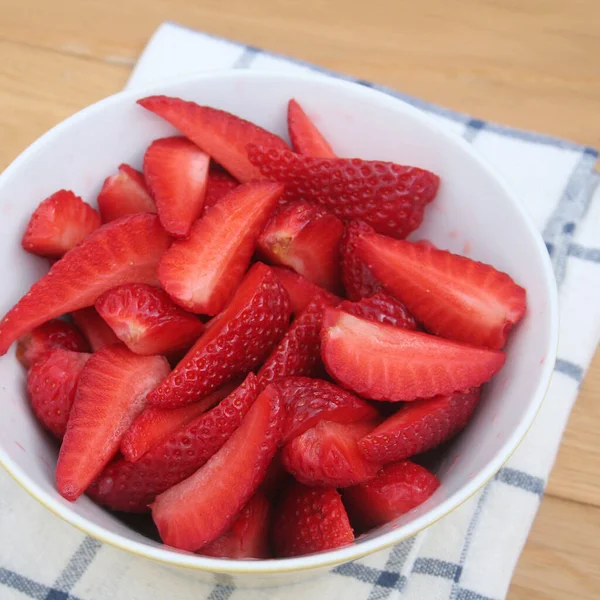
<point x="474" y="214"/>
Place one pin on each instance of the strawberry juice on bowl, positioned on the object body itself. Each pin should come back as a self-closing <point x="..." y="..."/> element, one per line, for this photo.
<point x="472" y="205"/>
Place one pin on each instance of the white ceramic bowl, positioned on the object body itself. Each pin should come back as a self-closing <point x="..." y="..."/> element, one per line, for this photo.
<point x="474" y="208"/>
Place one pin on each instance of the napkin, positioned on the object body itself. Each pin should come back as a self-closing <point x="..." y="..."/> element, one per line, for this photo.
<point x="471" y="553"/>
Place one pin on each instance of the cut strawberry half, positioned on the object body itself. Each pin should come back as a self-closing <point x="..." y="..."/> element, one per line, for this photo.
<point x="383" y="362"/>
<point x="94" y="328"/>
<point x="176" y="172"/>
<point x="124" y="193"/>
<point x="220" y="134"/>
<point x="146" y="319"/>
<point x="132" y="486"/>
<point x="308" y="401"/>
<point x="58" y="224"/>
<point x="237" y="341"/>
<point x="453" y="296"/>
<point x="156" y="424"/>
<point x="51" y="383"/>
<point x="248" y="537"/>
<point x="306" y="138"/>
<point x="327" y="455"/>
<point x="389" y="197"/>
<point x="202" y="272"/>
<point x="299" y="352"/>
<point x="124" y="251"/>
<point x="201" y="508"/>
<point x="305" y="238"/>
<point x="37" y="344"/>
<point x="111" y="394"/>
<point x="419" y="426"/>
<point x="357" y="278"/>
<point x="299" y="289"/>
<point x="381" y="308"/>
<point x="397" y="489"/>
<point x="310" y="520"/>
<point x="220" y="183"/>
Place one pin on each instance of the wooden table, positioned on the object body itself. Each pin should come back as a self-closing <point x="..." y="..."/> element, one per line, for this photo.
<point x="527" y="63"/>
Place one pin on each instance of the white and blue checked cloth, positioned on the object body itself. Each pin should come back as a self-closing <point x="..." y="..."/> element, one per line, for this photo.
<point x="470" y="554"/>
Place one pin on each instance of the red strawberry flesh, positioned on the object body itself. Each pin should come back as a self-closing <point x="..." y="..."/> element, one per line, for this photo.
<point x="453" y="296"/>
<point x="381" y="308"/>
<point x="38" y="343"/>
<point x="201" y="508"/>
<point x="146" y="319"/>
<point x="132" y="486"/>
<point x="397" y="489"/>
<point x="310" y="520"/>
<point x="223" y="136"/>
<point x="299" y="289"/>
<point x="58" y="224"/>
<point x="237" y="341"/>
<point x="419" y="426"/>
<point x="220" y="183"/>
<point x="389" y="197"/>
<point x="306" y="138"/>
<point x="51" y="384"/>
<point x="124" y="251"/>
<point x="124" y="193"/>
<point x="111" y="393"/>
<point x="383" y="362"/>
<point x="202" y="272"/>
<point x="94" y="328"/>
<point x="177" y="172"/>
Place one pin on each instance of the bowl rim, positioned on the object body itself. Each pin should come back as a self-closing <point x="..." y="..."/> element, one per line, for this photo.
<point x="330" y="558"/>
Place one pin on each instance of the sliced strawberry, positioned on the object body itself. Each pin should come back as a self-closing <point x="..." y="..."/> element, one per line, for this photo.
<point x="389" y="197"/>
<point x="276" y="479"/>
<point x="58" y="224"/>
<point x="381" y="308"/>
<point x="398" y="488"/>
<point x="111" y="394"/>
<point x="220" y="134"/>
<point x="125" y="251"/>
<point x="310" y="520"/>
<point x="201" y="508"/>
<point x="147" y="320"/>
<point x="305" y="238"/>
<point x="94" y="327"/>
<point x="202" y="272"/>
<point x="299" y="289"/>
<point x="238" y="340"/>
<point x="176" y="172"/>
<point x="327" y="455"/>
<point x="53" y="334"/>
<point x="220" y="183"/>
<point x="306" y="138"/>
<point x="156" y="424"/>
<point x="453" y="296"/>
<point x="358" y="280"/>
<point x="51" y="383"/>
<point x="419" y="426"/>
<point x="383" y="362"/>
<point x="308" y="401"/>
<point x="124" y="193"/>
<point x="299" y="352"/>
<point x="248" y="537"/>
<point x="132" y="486"/>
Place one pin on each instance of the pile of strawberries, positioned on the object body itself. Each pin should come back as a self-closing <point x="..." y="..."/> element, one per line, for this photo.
<point x="234" y="399"/>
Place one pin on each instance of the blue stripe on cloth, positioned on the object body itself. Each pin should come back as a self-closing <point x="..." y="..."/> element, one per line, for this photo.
<point x="464" y="594"/>
<point x="509" y="132"/>
<point x="393" y="566"/>
<point x="521" y="480"/>
<point x="578" y="251"/>
<point x="221" y="592"/>
<point x="76" y="567"/>
<point x="571" y="208"/>
<point x="569" y="369"/>
<point x="437" y="568"/>
<point x="30" y="588"/>
<point x="474" y="126"/>
<point x="371" y="575"/>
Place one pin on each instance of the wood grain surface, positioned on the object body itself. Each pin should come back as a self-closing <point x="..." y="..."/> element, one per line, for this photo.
<point x="527" y="63"/>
